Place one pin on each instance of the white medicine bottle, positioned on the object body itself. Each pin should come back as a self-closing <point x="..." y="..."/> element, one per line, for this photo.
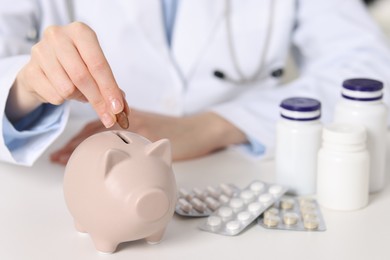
<point x="361" y="103"/>
<point x="343" y="168"/>
<point x="298" y="139"/>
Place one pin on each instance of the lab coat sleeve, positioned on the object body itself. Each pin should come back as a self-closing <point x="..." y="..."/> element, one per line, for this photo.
<point x="19" y="29"/>
<point x="30" y="137"/>
<point x="23" y="144"/>
<point x="21" y="24"/>
<point x="332" y="41"/>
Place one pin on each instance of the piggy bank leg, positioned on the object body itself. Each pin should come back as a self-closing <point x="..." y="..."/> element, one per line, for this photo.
<point x="156" y="237"/>
<point x="79" y="228"/>
<point x="104" y="246"/>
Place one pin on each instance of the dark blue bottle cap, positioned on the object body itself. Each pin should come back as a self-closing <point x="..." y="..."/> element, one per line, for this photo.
<point x="362" y="89"/>
<point x="301" y="104"/>
<point x="300" y="108"/>
<point x="366" y="85"/>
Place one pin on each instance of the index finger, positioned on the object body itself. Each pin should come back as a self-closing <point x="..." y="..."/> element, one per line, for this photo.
<point x="87" y="44"/>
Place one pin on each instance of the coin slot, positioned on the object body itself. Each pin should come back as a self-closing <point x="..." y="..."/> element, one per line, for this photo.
<point x="124" y="138"/>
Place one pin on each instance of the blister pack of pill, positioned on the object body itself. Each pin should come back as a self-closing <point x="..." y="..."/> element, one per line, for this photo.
<point x="202" y="202"/>
<point x="294" y="213"/>
<point x="242" y="209"/>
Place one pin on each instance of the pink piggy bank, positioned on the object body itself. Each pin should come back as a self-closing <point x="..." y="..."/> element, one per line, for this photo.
<point x="119" y="187"/>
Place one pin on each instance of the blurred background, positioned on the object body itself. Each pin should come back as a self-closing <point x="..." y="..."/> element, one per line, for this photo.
<point x="379" y="9"/>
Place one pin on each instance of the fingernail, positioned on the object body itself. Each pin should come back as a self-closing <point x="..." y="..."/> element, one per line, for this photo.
<point x="107" y="120"/>
<point x="116" y="106"/>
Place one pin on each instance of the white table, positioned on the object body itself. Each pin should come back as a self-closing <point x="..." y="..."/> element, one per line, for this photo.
<point x="35" y="223"/>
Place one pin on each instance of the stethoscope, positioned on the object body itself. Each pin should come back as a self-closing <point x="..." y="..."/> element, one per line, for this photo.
<point x="258" y="73"/>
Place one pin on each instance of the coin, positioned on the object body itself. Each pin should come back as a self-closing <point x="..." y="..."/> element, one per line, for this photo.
<point x="122" y="120"/>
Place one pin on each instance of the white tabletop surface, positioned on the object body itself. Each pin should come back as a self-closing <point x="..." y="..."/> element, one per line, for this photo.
<point x="35" y="223"/>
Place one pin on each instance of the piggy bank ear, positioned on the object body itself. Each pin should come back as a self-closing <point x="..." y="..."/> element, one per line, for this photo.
<point x="112" y="157"/>
<point x="161" y="148"/>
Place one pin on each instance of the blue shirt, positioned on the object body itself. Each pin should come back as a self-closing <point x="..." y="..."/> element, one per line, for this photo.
<point x="32" y="130"/>
<point x="169" y="13"/>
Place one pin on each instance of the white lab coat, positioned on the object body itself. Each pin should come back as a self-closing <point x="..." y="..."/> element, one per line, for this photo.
<point x="331" y="39"/>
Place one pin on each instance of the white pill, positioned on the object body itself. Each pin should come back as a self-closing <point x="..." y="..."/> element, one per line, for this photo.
<point x="185" y="194"/>
<point x="236" y="203"/>
<point x="201" y="194"/>
<point x="255" y="208"/>
<point x="233" y="226"/>
<point x="275" y="190"/>
<point x="197" y="191"/>
<point x="184" y="205"/>
<point x="247" y="196"/>
<point x="198" y="205"/>
<point x="227" y="189"/>
<point x="223" y="199"/>
<point x="212" y="203"/>
<point x="214" y="221"/>
<point x="213" y="192"/>
<point x="257" y="187"/>
<point x="265" y="198"/>
<point x="244" y="216"/>
<point x="225" y="212"/>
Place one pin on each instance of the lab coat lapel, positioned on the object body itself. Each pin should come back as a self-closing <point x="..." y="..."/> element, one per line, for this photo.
<point x="148" y="16"/>
<point x="196" y="23"/>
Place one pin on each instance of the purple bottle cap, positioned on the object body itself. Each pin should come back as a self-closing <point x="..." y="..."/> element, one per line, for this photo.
<point x="362" y="89"/>
<point x="300" y="109"/>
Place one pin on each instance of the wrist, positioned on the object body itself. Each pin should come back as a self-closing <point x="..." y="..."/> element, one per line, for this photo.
<point x="20" y="101"/>
<point x="222" y="132"/>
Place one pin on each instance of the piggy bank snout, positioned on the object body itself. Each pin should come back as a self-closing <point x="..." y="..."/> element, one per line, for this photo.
<point x="152" y="205"/>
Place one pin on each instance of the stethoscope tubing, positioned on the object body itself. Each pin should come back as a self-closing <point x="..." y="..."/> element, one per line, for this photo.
<point x="257" y="74"/>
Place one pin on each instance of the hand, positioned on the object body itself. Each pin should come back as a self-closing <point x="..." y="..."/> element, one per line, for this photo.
<point x="66" y="64"/>
<point x="62" y="155"/>
<point x="191" y="136"/>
